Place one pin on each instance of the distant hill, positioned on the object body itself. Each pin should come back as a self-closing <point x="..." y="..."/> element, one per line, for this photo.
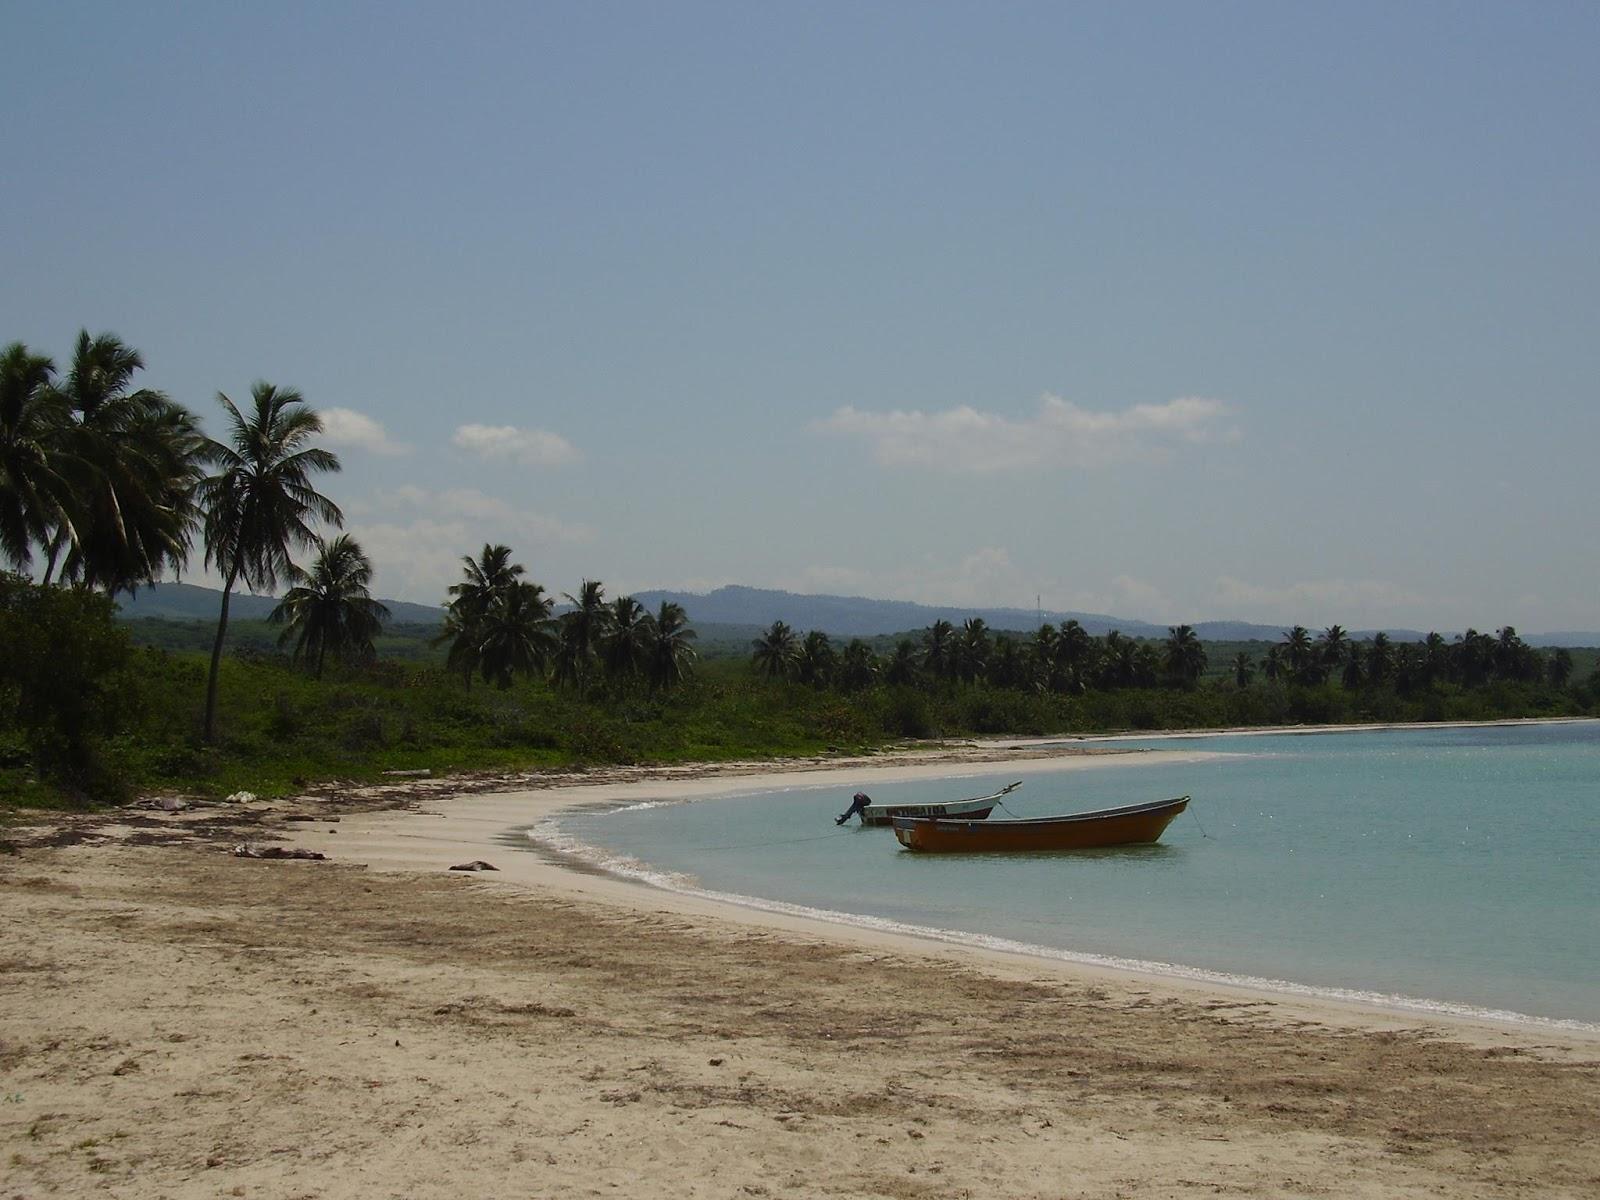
<point x="735" y="614"/>
<point x="856" y="616"/>
<point x="190" y="602"/>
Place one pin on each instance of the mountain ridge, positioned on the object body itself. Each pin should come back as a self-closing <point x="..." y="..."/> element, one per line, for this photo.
<point x="838" y="616"/>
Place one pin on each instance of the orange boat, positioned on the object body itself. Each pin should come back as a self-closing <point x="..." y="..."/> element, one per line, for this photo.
<point x="1131" y="825"/>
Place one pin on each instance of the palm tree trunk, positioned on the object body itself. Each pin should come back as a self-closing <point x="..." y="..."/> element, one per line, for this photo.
<point x="322" y="652"/>
<point x="216" y="660"/>
<point x="50" y="562"/>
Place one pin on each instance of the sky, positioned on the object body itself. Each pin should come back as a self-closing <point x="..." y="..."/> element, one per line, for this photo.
<point x="1276" y="312"/>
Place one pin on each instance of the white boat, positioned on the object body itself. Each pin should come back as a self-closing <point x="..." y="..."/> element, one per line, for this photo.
<point x="975" y="809"/>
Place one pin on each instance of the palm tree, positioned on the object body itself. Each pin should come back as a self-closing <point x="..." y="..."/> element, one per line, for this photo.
<point x="1075" y="651"/>
<point x="1272" y="663"/>
<point x="938" y="649"/>
<point x="1243" y="668"/>
<point x="1436" y="657"/>
<point x="1334" y="644"/>
<point x="972" y="650"/>
<point x="33" y="495"/>
<point x="1513" y="658"/>
<point x="261" y="502"/>
<point x="903" y="668"/>
<point x="1119" y="663"/>
<point x="1185" y="656"/>
<point x="133" y="459"/>
<point x="1353" y="672"/>
<point x="1473" y="657"/>
<point x="1558" y="669"/>
<point x="667" y="649"/>
<point x="623" y="649"/>
<point x="330" y="608"/>
<point x="1043" y="651"/>
<point x="815" y="662"/>
<point x="775" y="652"/>
<point x="485" y="582"/>
<point x="858" y="666"/>
<point x="1380" y="659"/>
<point x="1008" y="666"/>
<point x="514" y="634"/>
<point x="1297" y="651"/>
<point x="583" y="629"/>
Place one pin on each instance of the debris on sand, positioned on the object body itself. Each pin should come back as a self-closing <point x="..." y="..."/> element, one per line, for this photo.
<point x="476" y="864"/>
<point x="247" y="850"/>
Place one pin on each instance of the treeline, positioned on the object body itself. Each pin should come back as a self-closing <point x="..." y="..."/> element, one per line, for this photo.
<point x="1070" y="661"/>
<point x="499" y="626"/>
<point x="106" y="487"/>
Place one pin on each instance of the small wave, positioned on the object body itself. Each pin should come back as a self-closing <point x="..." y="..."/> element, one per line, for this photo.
<point x="550" y="835"/>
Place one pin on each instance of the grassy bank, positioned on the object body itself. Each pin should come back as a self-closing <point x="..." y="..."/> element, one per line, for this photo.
<point x="280" y="730"/>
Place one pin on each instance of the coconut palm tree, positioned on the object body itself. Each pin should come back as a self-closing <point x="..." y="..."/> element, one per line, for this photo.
<point x="1243" y="668"/>
<point x="1380" y="659"/>
<point x="514" y="634"/>
<point x="858" y="666"/>
<point x="972" y="650"/>
<point x="1272" y="663"/>
<point x="1473" y="657"/>
<point x="484" y="579"/>
<point x="261" y="501"/>
<point x="1008" y="665"/>
<point x="1354" y="668"/>
<point x="939" y="650"/>
<point x="623" y="648"/>
<point x="667" y="649"/>
<point x="1185" y="656"/>
<point x="330" y="608"/>
<point x="904" y="667"/>
<point x="1076" y="653"/>
<point x="484" y="583"/>
<point x="1298" y="653"/>
<point x="1333" y="645"/>
<point x="775" y="652"/>
<point x="582" y="630"/>
<point x="1435" y="657"/>
<point x="33" y="495"/>
<point x="1119" y="662"/>
<point x="816" y="660"/>
<point x="133" y="459"/>
<point x="1042" y="650"/>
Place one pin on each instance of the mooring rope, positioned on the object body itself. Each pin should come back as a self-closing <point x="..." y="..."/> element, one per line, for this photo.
<point x="1196" y="817"/>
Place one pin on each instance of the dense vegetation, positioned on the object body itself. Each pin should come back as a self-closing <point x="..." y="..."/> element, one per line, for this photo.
<point x="108" y="489"/>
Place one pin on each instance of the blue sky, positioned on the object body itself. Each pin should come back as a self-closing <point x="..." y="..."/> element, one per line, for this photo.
<point x="1277" y="312"/>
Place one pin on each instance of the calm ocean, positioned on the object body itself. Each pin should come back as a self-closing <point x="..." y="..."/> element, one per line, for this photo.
<point x="1447" y="869"/>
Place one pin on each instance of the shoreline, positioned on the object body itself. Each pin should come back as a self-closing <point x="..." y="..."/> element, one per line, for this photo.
<point x="182" y="1022"/>
<point x="477" y="827"/>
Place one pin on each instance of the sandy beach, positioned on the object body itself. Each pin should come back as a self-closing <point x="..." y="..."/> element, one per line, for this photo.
<point x="176" y="1021"/>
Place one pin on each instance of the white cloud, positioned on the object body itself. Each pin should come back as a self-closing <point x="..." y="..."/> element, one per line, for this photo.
<point x="530" y="447"/>
<point x="1345" y="601"/>
<point x="498" y="517"/>
<point x="417" y="538"/>
<point x="1125" y="597"/>
<point x="346" y="427"/>
<point x="1060" y="434"/>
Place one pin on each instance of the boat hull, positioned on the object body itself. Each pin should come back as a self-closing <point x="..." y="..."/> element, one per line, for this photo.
<point x="1133" y="825"/>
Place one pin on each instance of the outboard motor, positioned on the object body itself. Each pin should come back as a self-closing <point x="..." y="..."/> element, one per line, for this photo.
<point x="859" y="802"/>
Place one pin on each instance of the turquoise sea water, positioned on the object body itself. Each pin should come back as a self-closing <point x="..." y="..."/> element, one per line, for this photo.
<point x="1451" y="868"/>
